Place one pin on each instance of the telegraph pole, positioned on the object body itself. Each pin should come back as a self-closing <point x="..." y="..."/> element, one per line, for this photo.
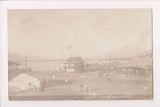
<point x="26" y="64"/>
<point x="53" y="64"/>
<point x="110" y="65"/>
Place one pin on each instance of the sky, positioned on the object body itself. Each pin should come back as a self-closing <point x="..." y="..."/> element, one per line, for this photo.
<point x="85" y="32"/>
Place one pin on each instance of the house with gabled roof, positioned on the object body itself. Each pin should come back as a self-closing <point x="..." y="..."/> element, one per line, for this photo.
<point x="24" y="81"/>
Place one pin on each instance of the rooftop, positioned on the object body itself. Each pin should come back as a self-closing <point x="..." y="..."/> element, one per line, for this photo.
<point x="75" y="60"/>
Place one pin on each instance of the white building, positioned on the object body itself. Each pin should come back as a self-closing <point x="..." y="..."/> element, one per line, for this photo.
<point x="24" y="81"/>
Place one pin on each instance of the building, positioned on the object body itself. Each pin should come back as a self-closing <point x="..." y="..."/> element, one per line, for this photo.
<point x="24" y="81"/>
<point x="13" y="66"/>
<point x="74" y="64"/>
<point x="130" y="70"/>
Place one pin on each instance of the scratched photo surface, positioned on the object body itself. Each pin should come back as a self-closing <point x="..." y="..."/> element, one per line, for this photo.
<point x="80" y="54"/>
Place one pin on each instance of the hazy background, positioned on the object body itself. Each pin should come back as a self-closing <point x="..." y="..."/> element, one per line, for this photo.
<point x="88" y="33"/>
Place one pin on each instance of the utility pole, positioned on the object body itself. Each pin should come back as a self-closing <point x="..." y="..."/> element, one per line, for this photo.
<point x="26" y="64"/>
<point x="54" y="64"/>
<point x="71" y="52"/>
<point x="110" y="62"/>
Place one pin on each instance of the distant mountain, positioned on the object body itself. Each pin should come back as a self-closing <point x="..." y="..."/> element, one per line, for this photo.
<point x="147" y="53"/>
<point x="16" y="57"/>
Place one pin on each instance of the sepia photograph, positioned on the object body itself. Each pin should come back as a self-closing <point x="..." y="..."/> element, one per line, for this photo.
<point x="80" y="54"/>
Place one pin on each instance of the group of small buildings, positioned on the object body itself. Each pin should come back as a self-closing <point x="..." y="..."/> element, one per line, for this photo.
<point x="20" y="79"/>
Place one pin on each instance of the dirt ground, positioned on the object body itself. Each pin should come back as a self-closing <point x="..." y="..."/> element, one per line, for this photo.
<point x="89" y="84"/>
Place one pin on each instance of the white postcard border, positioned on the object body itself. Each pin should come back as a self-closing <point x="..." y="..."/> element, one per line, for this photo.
<point x="5" y="5"/>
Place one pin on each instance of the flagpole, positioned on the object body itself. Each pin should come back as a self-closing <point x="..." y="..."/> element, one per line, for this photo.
<point x="69" y="48"/>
